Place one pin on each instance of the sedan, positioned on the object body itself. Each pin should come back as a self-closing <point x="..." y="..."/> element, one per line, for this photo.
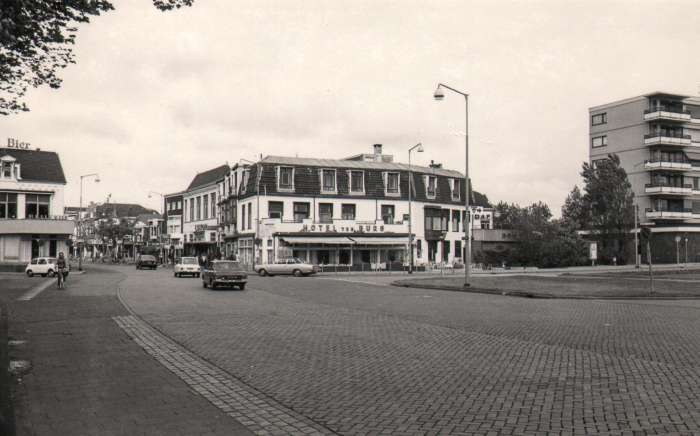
<point x="293" y="266"/>
<point x="146" y="261"/>
<point x="224" y="273"/>
<point x="186" y="266"/>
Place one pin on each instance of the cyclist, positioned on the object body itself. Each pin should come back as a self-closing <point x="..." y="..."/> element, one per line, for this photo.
<point x="61" y="270"/>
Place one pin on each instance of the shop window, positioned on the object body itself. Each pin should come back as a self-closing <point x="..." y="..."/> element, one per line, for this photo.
<point x="325" y="212"/>
<point x="301" y="211"/>
<point x="388" y="213"/>
<point x="348" y="211"/>
<point x="8" y="206"/>
<point x="275" y="209"/>
<point x="357" y="182"/>
<point x="328" y="181"/>
<point x="37" y="206"/>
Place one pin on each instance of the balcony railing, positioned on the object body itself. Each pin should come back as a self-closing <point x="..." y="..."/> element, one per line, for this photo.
<point x="681" y="213"/>
<point x="661" y="188"/>
<point x="662" y="108"/>
<point x="661" y="164"/>
<point x="666" y="113"/>
<point x="667" y="138"/>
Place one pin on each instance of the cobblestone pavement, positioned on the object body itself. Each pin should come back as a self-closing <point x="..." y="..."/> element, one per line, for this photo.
<point x="363" y="359"/>
<point x="88" y="377"/>
<point x="261" y="415"/>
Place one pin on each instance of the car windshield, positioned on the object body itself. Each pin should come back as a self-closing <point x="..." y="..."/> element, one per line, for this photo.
<point x="148" y="258"/>
<point x="188" y="261"/>
<point x="226" y="266"/>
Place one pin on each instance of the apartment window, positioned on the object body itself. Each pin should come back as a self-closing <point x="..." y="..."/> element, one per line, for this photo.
<point x="325" y="212"/>
<point x="285" y="178"/>
<point x="357" y="182"/>
<point x="599" y="141"/>
<point x="250" y="216"/>
<point x="456" y="218"/>
<point x="213" y="204"/>
<point x="598" y="119"/>
<point x="391" y="181"/>
<point x="348" y="211"/>
<point x="36" y="206"/>
<point x="8" y="206"/>
<point x="191" y="209"/>
<point x="275" y="209"/>
<point x="456" y="186"/>
<point x="388" y="213"/>
<point x="205" y="210"/>
<point x="328" y="181"/>
<point x="696" y="183"/>
<point x="430" y="186"/>
<point x="199" y="208"/>
<point x="243" y="215"/>
<point x="301" y="211"/>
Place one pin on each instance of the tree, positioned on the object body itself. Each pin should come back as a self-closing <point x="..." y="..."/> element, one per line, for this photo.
<point x="608" y="201"/>
<point x="36" y="39"/>
<point x="574" y="212"/>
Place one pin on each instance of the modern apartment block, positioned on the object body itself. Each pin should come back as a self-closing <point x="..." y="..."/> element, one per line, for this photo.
<point x="657" y="137"/>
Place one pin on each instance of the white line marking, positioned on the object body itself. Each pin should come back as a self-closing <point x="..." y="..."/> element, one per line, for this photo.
<point x="36" y="290"/>
<point x="354" y="281"/>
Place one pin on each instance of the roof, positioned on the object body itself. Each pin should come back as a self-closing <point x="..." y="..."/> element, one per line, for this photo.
<point x="145" y="217"/>
<point x="120" y="210"/>
<point x="342" y="163"/>
<point x="36" y="165"/>
<point x="208" y="177"/>
<point x="660" y="94"/>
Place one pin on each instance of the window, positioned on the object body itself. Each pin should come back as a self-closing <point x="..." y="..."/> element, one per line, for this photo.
<point x="36" y="206"/>
<point x="391" y="181"/>
<point x="599" y="141"/>
<point x="357" y="182"/>
<point x="348" y="211"/>
<point x="205" y="210"/>
<point x="285" y="178"/>
<point x="325" y="212"/>
<point x="598" y="119"/>
<point x="199" y="208"/>
<point x="301" y="211"/>
<point x="458" y="249"/>
<point x="456" y="218"/>
<point x="275" y="209"/>
<point x="436" y="219"/>
<point x="445" y="250"/>
<point x="328" y="181"/>
<point x="213" y="204"/>
<point x="388" y="213"/>
<point x="191" y="209"/>
<point x="8" y="206"/>
<point x="696" y="183"/>
<point x="243" y="215"/>
<point x="456" y="186"/>
<point x="430" y="186"/>
<point x="419" y="248"/>
<point x="212" y="237"/>
<point x="7" y="170"/>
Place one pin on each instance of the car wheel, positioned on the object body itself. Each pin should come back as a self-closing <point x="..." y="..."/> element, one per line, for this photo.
<point x="30" y="273"/>
<point x="297" y="273"/>
<point x="50" y="273"/>
<point x="174" y="274"/>
<point x="241" y="286"/>
<point x="262" y="273"/>
<point x="211" y="284"/>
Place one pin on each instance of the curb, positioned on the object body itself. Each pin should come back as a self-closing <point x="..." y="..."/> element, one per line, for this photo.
<point x="528" y="294"/>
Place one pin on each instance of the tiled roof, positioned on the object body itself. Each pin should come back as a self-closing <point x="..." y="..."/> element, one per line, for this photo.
<point x="209" y="177"/>
<point x="37" y="166"/>
<point x="341" y="163"/>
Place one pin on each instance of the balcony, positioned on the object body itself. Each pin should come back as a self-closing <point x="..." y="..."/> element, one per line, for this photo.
<point x="666" y="113"/>
<point x="662" y="189"/>
<point x="666" y="138"/>
<point x="655" y="164"/>
<point x="680" y="214"/>
<point x="58" y="225"/>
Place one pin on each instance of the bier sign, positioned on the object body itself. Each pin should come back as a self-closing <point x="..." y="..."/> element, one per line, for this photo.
<point x="16" y="143"/>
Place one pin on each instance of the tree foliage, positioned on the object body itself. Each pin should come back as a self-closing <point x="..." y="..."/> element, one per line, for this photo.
<point x="36" y="40"/>
<point x="574" y="212"/>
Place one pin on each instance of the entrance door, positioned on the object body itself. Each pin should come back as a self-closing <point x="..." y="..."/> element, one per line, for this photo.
<point x="52" y="248"/>
<point x="35" y="248"/>
<point x="432" y="250"/>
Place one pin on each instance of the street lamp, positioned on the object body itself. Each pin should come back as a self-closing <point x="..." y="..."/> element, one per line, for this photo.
<point x="439" y="95"/>
<point x="419" y="149"/>
<point x="80" y="218"/>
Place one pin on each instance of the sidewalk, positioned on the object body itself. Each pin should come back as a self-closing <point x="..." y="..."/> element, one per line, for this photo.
<point x="88" y="377"/>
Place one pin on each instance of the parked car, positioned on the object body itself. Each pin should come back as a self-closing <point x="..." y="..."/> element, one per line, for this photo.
<point x="186" y="266"/>
<point x="225" y="273"/>
<point x="287" y="266"/>
<point x="146" y="261"/>
<point x="45" y="266"/>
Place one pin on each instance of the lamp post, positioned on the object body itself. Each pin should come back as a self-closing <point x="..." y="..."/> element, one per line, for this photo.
<point x="439" y="95"/>
<point x="636" y="236"/>
<point x="80" y="218"/>
<point x="419" y="149"/>
<point x="162" y="212"/>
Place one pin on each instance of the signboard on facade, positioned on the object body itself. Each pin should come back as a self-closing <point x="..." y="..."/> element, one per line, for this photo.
<point x="593" y="251"/>
<point x="332" y="228"/>
<point x="16" y="143"/>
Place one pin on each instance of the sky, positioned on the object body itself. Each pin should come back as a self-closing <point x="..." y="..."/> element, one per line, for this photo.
<point x="156" y="97"/>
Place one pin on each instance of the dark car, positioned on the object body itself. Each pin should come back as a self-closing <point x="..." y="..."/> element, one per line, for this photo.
<point x="225" y="273"/>
<point x="146" y="261"/>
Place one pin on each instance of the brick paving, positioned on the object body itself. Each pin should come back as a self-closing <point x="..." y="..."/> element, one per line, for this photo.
<point x="359" y="359"/>
<point x="258" y="413"/>
<point x="89" y="378"/>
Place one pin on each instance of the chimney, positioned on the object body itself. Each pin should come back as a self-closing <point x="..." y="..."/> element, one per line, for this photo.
<point x="377" y="149"/>
<point x="435" y="165"/>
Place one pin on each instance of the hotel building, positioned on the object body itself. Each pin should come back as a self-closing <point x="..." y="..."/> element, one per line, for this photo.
<point x="657" y="137"/>
<point x="351" y="211"/>
<point x="32" y="223"/>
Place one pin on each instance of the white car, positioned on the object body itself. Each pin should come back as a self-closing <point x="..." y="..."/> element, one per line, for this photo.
<point x="46" y="266"/>
<point x="186" y="266"/>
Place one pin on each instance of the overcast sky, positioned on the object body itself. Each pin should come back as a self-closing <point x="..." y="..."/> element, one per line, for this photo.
<point x="156" y="97"/>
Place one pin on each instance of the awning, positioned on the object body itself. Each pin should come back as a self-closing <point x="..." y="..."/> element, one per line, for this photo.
<point x="327" y="240"/>
<point x="359" y="240"/>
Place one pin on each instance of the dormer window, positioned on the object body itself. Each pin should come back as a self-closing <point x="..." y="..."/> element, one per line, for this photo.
<point x="328" y="182"/>
<point x="7" y="170"/>
<point x="391" y="184"/>
<point x="285" y="178"/>
<point x="430" y="186"/>
<point x="357" y="182"/>
<point x="455" y="186"/>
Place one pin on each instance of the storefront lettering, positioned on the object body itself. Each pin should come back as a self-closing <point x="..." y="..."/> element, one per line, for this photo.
<point x="332" y="228"/>
<point x="16" y="143"/>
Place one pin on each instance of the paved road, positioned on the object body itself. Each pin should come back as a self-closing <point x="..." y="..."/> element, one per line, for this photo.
<point x="358" y="358"/>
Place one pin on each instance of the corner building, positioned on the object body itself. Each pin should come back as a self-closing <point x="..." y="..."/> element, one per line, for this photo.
<point x="352" y="212"/>
<point x="657" y="137"/>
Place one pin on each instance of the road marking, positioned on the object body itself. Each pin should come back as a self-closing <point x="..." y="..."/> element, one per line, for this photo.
<point x="258" y="412"/>
<point x="36" y="290"/>
<point x="355" y="281"/>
